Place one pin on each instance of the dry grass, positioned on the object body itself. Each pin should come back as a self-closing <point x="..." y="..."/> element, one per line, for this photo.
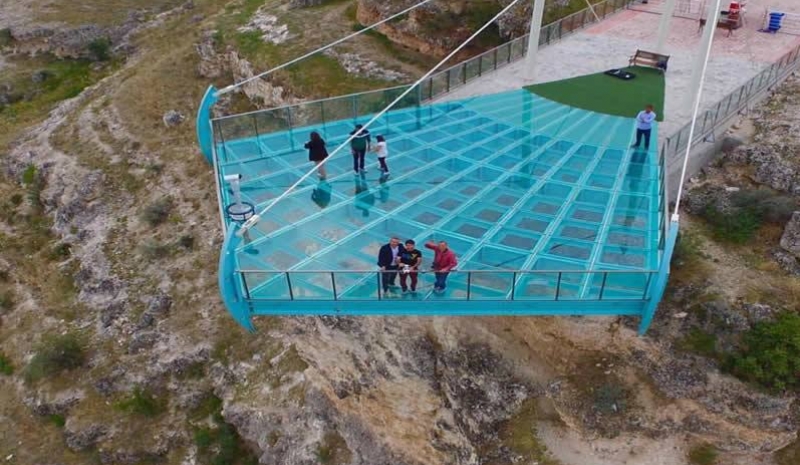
<point x="101" y="12"/>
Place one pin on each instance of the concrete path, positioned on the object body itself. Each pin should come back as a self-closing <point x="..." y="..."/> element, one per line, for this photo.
<point x="609" y="44"/>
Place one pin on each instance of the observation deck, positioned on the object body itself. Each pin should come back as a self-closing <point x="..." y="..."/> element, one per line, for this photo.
<point x="546" y="206"/>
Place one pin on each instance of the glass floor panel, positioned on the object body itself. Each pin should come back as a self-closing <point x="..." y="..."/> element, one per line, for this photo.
<point x="513" y="182"/>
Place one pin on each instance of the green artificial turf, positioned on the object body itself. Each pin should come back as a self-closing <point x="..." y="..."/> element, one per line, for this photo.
<point x="607" y="94"/>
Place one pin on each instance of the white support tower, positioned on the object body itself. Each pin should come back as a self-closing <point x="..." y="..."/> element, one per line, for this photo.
<point x="663" y="25"/>
<point x="533" y="41"/>
<point x="700" y="59"/>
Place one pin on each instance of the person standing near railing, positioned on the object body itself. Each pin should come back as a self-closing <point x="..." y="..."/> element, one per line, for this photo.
<point x="359" y="146"/>
<point x="388" y="260"/>
<point x="644" y="126"/>
<point x="444" y="260"/>
<point x="410" y="261"/>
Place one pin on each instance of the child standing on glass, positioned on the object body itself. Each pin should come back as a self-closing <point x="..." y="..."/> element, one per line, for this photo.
<point x="382" y="150"/>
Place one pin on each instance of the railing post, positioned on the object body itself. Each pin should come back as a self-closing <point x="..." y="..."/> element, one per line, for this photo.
<point x="378" y="274"/>
<point x="448" y="81"/>
<point x="603" y="285"/>
<point x="333" y="286"/>
<point x="244" y="284"/>
<point x="464" y="73"/>
<point x="289" y="282"/>
<point x="322" y="116"/>
<point x="513" y="285"/>
<point x="354" y="106"/>
<point x="495" y="58"/>
<point x="558" y="285"/>
<point x="258" y="135"/>
<point x="291" y="127"/>
<point x="469" y="283"/>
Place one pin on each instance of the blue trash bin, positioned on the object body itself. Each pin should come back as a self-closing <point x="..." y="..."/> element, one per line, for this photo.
<point x="775" y="20"/>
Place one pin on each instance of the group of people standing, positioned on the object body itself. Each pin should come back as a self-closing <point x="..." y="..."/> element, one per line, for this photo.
<point x="406" y="261"/>
<point x="360" y="144"/>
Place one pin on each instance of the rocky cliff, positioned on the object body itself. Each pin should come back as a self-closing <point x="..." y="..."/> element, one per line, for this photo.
<point x="115" y="348"/>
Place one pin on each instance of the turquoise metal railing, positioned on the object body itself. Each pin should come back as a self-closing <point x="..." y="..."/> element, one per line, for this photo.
<point x="463" y="285"/>
<point x="734" y="103"/>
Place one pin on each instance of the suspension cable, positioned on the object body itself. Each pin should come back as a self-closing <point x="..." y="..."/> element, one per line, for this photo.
<point x="231" y="87"/>
<point x="255" y="219"/>
<point x="697" y="98"/>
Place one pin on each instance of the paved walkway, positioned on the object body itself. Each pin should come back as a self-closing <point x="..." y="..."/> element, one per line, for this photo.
<point x="610" y="43"/>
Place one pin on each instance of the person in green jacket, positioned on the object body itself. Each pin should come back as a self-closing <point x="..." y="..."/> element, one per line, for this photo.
<point x="359" y="146"/>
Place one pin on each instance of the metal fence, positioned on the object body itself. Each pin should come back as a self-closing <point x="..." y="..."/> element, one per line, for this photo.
<point x="351" y="107"/>
<point x="496" y="285"/>
<point x="733" y="104"/>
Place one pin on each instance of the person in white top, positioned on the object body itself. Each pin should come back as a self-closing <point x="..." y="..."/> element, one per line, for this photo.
<point x="644" y="125"/>
<point x="382" y="151"/>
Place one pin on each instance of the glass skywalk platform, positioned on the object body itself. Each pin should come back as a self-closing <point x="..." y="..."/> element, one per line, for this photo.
<point x="547" y="208"/>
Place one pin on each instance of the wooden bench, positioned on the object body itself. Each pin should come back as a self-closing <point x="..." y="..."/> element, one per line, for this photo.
<point x="651" y="59"/>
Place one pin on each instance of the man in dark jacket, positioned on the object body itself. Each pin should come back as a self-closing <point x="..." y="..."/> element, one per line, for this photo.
<point x="388" y="261"/>
<point x="359" y="145"/>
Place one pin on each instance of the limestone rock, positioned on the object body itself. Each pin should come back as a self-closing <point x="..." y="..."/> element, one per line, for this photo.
<point x="355" y="64"/>
<point x="83" y="438"/>
<point x="173" y="118"/>
<point x="790" y="241"/>
<point x="267" y="25"/>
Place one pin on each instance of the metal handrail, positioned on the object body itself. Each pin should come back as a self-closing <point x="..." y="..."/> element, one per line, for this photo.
<point x="310" y="102"/>
<point x="373" y="270"/>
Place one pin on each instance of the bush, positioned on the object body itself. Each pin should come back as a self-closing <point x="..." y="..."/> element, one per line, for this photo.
<point x="770" y="353"/>
<point x="6" y="300"/>
<point x="610" y="398"/>
<point x="766" y="204"/>
<point x="154" y="250"/>
<point x="704" y="454"/>
<point x="57" y="420"/>
<point x="142" y="403"/>
<point x="157" y="212"/>
<point x="221" y="444"/>
<point x="750" y="210"/>
<point x="6" y="38"/>
<point x="699" y="342"/>
<point x="186" y="241"/>
<point x="60" y="252"/>
<point x="6" y="368"/>
<point x="737" y="227"/>
<point x="55" y="355"/>
<point x="100" y="49"/>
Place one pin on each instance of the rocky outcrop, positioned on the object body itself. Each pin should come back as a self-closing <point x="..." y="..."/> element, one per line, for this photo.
<point x="268" y="27"/>
<point x="355" y="64"/>
<point x="790" y="240"/>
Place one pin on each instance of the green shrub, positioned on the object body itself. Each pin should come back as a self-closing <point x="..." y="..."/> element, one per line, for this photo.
<point x="157" y="212"/>
<point x="750" y="210"/>
<point x="55" y="355"/>
<point x="57" y="420"/>
<point x="699" y="342"/>
<point x="768" y="205"/>
<point x="704" y="454"/>
<point x="6" y="368"/>
<point x="155" y="251"/>
<point x="610" y="398"/>
<point x="221" y="444"/>
<point x="60" y="252"/>
<point x="6" y="300"/>
<point x="770" y="353"/>
<point x="6" y="38"/>
<point x="186" y="241"/>
<point x="142" y="402"/>
<point x="100" y="49"/>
